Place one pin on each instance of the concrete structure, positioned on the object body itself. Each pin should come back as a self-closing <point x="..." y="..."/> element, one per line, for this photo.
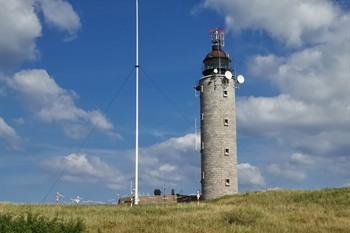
<point x="218" y="122"/>
<point x="168" y="199"/>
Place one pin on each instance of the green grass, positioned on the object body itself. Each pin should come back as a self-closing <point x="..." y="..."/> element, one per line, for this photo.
<point x="321" y="211"/>
<point x="29" y="223"/>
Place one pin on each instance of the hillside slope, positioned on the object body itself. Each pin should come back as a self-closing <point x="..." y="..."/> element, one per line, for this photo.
<point x="261" y="212"/>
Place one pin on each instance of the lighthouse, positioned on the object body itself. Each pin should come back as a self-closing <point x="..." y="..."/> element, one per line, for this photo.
<point x="218" y="121"/>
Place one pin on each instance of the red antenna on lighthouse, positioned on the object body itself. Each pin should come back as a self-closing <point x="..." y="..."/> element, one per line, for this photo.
<point x="217" y="36"/>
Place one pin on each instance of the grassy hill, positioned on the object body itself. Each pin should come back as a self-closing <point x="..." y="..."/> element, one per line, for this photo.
<point x="262" y="212"/>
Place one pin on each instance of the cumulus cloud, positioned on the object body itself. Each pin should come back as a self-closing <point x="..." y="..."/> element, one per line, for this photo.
<point x="300" y="166"/>
<point x="85" y="168"/>
<point x="173" y="161"/>
<point x="293" y="22"/>
<point x="176" y="162"/>
<point x="8" y="135"/>
<point x="322" y="68"/>
<point x="301" y="159"/>
<point x="20" y="26"/>
<point x="286" y="172"/>
<point x="314" y="104"/>
<point x="249" y="175"/>
<point x="268" y="115"/>
<point x="52" y="103"/>
<point x="75" y="131"/>
<point x="60" y="14"/>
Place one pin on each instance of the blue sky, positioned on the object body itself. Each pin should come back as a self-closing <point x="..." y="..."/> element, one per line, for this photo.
<point x="67" y="94"/>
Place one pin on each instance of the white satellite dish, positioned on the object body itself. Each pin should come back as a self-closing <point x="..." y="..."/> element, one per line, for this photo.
<point x="76" y="200"/>
<point x="228" y="74"/>
<point x="240" y="79"/>
<point x="216" y="71"/>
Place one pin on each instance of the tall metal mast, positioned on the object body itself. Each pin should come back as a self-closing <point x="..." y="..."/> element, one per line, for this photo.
<point x="137" y="109"/>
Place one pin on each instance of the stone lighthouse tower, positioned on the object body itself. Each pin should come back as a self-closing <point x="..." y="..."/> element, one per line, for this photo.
<point x="218" y="121"/>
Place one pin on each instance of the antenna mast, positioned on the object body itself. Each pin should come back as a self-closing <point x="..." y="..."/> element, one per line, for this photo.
<point x="196" y="134"/>
<point x="137" y="109"/>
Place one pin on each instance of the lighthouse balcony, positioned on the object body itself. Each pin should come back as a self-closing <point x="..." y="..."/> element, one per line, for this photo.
<point x="215" y="67"/>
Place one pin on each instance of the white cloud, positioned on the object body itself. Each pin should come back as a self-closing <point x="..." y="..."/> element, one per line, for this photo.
<point x="325" y="142"/>
<point x="250" y="175"/>
<point x="297" y="167"/>
<point x="19" y="28"/>
<point x="322" y="68"/>
<point x="176" y="162"/>
<point x="9" y="135"/>
<point x="84" y="168"/>
<point x="164" y="173"/>
<point x="271" y="114"/>
<point x="75" y="131"/>
<point x="301" y="159"/>
<point x="300" y="166"/>
<point x="60" y="14"/>
<point x="51" y="103"/>
<point x="173" y="162"/>
<point x="314" y="101"/>
<point x="184" y="143"/>
<point x="314" y="104"/>
<point x="314" y="87"/>
<point x="286" y="172"/>
<point x="319" y="129"/>
<point x="99" y="120"/>
<point x="293" y="22"/>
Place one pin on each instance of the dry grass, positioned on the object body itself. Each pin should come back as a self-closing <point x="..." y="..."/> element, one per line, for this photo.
<point x="321" y="211"/>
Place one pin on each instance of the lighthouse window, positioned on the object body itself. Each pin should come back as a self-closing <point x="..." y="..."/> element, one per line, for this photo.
<point x="202" y="175"/>
<point x="227" y="151"/>
<point x="225" y="93"/>
<point x="227" y="182"/>
<point x="202" y="88"/>
<point x="225" y="122"/>
<point x="202" y="116"/>
<point x="202" y="146"/>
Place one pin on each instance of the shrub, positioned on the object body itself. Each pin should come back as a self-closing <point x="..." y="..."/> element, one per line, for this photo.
<point x="30" y="223"/>
<point x="157" y="192"/>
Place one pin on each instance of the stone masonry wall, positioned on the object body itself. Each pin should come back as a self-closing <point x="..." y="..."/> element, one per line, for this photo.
<point x="217" y="136"/>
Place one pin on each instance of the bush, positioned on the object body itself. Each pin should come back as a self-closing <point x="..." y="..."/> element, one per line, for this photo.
<point x="38" y="224"/>
<point x="157" y="192"/>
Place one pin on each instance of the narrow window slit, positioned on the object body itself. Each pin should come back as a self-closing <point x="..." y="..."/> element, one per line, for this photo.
<point x="225" y="122"/>
<point x="227" y="151"/>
